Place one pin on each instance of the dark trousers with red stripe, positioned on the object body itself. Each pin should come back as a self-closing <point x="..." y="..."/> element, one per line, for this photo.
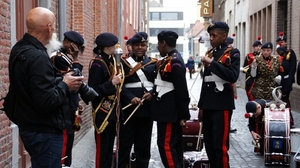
<point x="286" y="98"/>
<point x="247" y="89"/>
<point x="137" y="131"/>
<point x="105" y="145"/>
<point x="216" y="126"/>
<point x="169" y="141"/>
<point x="67" y="148"/>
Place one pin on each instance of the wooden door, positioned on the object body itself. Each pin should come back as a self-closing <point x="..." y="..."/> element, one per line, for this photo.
<point x="22" y="8"/>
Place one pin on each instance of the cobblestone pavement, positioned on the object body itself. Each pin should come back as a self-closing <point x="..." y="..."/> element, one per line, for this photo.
<point x="241" y="150"/>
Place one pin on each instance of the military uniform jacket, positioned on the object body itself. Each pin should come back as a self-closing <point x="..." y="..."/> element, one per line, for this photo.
<point x="284" y="72"/>
<point x="127" y="94"/>
<point x="99" y="80"/>
<point x="172" y="106"/>
<point x="65" y="64"/>
<point x="293" y="64"/>
<point x="267" y="70"/>
<point x="228" y="70"/>
<point x="257" y="124"/>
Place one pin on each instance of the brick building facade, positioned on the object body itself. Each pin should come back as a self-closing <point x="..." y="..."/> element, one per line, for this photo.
<point x="265" y="18"/>
<point x="89" y="18"/>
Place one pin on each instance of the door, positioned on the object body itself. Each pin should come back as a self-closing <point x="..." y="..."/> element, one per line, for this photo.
<point x="22" y="8"/>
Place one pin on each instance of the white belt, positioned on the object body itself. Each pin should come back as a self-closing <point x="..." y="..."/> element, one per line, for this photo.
<point x="286" y="76"/>
<point x="218" y="81"/>
<point x="162" y="87"/>
<point x="145" y="84"/>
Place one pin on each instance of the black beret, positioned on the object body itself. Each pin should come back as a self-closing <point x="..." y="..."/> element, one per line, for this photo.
<point x="281" y="38"/>
<point x="74" y="37"/>
<point x="218" y="26"/>
<point x="251" y="106"/>
<point x="139" y="37"/>
<point x="229" y="40"/>
<point x="128" y="42"/>
<point x="167" y="35"/>
<point x="256" y="43"/>
<point x="281" y="50"/>
<point x="106" y="40"/>
<point x="267" y="45"/>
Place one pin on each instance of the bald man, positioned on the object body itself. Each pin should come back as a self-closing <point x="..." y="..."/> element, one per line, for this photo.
<point x="41" y="93"/>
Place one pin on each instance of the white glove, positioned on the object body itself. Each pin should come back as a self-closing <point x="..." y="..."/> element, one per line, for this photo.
<point x="278" y="79"/>
<point x="241" y="69"/>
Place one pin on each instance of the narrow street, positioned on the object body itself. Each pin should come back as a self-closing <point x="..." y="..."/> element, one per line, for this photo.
<point x="241" y="149"/>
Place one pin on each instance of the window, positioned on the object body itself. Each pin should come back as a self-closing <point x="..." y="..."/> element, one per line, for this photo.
<point x="154" y="16"/>
<point x="169" y="16"/>
<point x="155" y="31"/>
<point x="166" y="16"/>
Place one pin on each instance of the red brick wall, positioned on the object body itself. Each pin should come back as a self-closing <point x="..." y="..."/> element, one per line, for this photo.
<point x="89" y="18"/>
<point x="5" y="130"/>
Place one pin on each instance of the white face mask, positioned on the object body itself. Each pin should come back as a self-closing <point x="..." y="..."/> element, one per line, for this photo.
<point x="54" y="44"/>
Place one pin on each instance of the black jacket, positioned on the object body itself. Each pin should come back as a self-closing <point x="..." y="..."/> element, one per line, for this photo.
<point x="99" y="80"/>
<point x="64" y="66"/>
<point x="42" y="97"/>
<point x="129" y="93"/>
<point x="220" y="100"/>
<point x="174" y="105"/>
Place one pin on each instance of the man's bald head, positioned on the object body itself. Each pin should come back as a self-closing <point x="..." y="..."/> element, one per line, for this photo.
<point x="40" y="24"/>
<point x="39" y="17"/>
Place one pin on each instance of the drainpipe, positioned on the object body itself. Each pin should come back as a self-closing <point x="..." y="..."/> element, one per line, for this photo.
<point x="120" y="25"/>
<point x="62" y="18"/>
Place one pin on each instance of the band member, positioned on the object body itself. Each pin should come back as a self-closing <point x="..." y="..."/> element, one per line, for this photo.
<point x="103" y="78"/>
<point x="292" y="59"/>
<point x="170" y="100"/>
<point x="248" y="61"/>
<point x="264" y="69"/>
<point x="230" y="41"/>
<point x="222" y="67"/>
<point x="66" y="59"/>
<point x="255" y="113"/>
<point x="140" y="72"/>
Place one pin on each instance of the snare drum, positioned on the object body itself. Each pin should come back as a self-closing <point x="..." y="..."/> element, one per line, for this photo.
<point x="277" y="136"/>
<point x="295" y="139"/>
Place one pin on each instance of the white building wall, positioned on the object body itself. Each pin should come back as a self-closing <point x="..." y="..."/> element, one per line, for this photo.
<point x="237" y="17"/>
<point x="168" y="24"/>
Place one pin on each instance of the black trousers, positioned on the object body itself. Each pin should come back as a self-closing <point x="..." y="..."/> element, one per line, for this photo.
<point x="169" y="141"/>
<point x="216" y="126"/>
<point x="137" y="131"/>
<point x="67" y="148"/>
<point x="286" y="98"/>
<point x="104" y="146"/>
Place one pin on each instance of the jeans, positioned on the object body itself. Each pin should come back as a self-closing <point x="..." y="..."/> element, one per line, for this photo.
<point x="44" y="148"/>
